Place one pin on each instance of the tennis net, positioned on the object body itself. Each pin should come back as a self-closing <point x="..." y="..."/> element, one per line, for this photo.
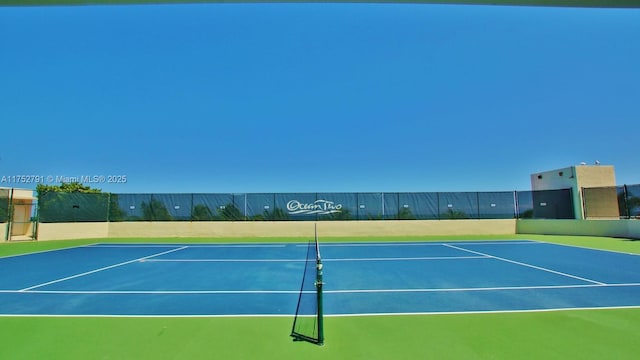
<point x="308" y="322"/>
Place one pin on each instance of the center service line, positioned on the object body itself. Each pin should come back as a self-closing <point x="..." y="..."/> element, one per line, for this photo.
<point x="527" y="265"/>
<point x="101" y="269"/>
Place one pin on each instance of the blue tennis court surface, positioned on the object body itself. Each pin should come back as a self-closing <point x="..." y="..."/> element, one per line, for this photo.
<point x="360" y="278"/>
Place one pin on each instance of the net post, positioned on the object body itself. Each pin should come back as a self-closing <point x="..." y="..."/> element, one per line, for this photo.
<point x="319" y="284"/>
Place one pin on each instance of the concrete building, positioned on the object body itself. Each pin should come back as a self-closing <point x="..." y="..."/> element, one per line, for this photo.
<point x="577" y="178"/>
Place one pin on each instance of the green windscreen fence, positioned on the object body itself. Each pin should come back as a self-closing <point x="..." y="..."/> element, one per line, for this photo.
<point x="176" y="207"/>
<point x="73" y="207"/>
<point x="546" y="204"/>
<point x="629" y="201"/>
<point x="4" y="204"/>
<point x="497" y="205"/>
<point x="633" y="200"/>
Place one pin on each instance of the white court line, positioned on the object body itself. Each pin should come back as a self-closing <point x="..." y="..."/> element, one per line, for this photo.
<point x="498" y="288"/>
<point x="495" y="242"/>
<point x="356" y="291"/>
<point x="324" y="259"/>
<point x="134" y="246"/>
<point x="239" y="245"/>
<point x="189" y="245"/>
<point x="227" y="260"/>
<point x="154" y="292"/>
<point x="485" y="311"/>
<point x="101" y="269"/>
<point x="426" y="243"/>
<point x="444" y="313"/>
<point x="527" y="265"/>
<point x="408" y="258"/>
<point x="123" y="316"/>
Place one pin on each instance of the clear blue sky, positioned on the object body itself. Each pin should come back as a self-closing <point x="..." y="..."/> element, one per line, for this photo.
<point x="317" y="97"/>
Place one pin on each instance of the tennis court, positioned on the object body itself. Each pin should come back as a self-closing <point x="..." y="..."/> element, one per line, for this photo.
<point x="263" y="279"/>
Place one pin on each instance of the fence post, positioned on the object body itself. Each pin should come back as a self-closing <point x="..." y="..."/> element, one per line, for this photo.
<point x="108" y="207"/>
<point x="191" y="210"/>
<point x="36" y="222"/>
<point x="7" y="235"/>
<point x="584" y="204"/>
<point x="626" y="201"/>
<point x="573" y="207"/>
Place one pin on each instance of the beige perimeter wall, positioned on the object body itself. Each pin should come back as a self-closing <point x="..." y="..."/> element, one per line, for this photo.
<point x="284" y="229"/>
<point x="60" y="231"/>
<point x="273" y="229"/>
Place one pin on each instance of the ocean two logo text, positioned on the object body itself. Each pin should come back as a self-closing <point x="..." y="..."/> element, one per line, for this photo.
<point x="322" y="207"/>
